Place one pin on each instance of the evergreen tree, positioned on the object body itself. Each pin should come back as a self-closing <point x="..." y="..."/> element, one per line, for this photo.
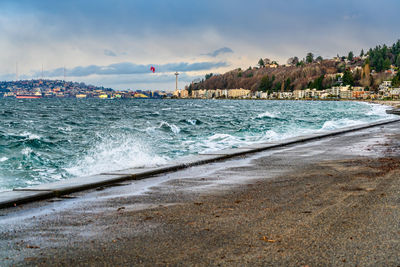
<point x="261" y="63"/>
<point x="348" y="78"/>
<point x="350" y="56"/>
<point x="208" y="76"/>
<point x="277" y="87"/>
<point x="288" y="86"/>
<point x="396" y="80"/>
<point x="398" y="61"/>
<point x="266" y="84"/>
<point x="386" y="64"/>
<point x="317" y="83"/>
<point x="362" y="53"/>
<point x="310" y="57"/>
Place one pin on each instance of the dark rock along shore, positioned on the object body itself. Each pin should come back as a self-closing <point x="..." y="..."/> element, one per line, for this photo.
<point x="332" y="202"/>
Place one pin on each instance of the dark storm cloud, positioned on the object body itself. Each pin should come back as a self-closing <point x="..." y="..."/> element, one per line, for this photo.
<point x="220" y="51"/>
<point x="109" y="53"/>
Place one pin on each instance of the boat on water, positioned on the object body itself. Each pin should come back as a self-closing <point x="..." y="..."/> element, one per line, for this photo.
<point x="28" y="96"/>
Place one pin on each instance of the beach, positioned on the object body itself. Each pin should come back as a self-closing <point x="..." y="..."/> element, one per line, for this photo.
<point x="330" y="202"/>
<point x="391" y="103"/>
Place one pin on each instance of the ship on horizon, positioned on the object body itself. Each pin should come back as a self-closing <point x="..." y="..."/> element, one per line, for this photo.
<point x="29" y="96"/>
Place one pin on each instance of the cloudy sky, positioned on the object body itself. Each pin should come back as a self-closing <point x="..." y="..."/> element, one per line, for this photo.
<point x="115" y="42"/>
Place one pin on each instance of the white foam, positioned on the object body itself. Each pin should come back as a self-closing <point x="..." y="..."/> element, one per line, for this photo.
<point x="175" y="129"/>
<point x="379" y="110"/>
<point x="341" y="123"/>
<point x="115" y="153"/>
<point x="192" y="122"/>
<point x="267" y="114"/>
<point x="30" y="136"/>
<point x="26" y="151"/>
<point x="2" y="159"/>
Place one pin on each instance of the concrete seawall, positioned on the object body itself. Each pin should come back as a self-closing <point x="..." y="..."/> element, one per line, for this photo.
<point x="57" y="189"/>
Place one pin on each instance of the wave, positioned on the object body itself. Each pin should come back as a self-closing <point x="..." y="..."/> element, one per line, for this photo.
<point x="267" y="114"/>
<point x="378" y="110"/>
<point x="191" y="121"/>
<point x="30" y="136"/>
<point x="165" y="126"/>
<point x="341" y="123"/>
<point x="2" y="159"/>
<point x="26" y="151"/>
<point x="115" y="153"/>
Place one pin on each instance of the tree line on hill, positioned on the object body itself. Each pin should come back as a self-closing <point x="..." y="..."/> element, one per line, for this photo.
<point x="368" y="70"/>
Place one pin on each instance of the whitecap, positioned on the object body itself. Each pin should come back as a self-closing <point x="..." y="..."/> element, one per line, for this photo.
<point x="2" y="159"/>
<point x="26" y="151"/>
<point x="267" y="114"/>
<point x="115" y="153"/>
<point x="336" y="124"/>
<point x="175" y="129"/>
<point x="30" y="136"/>
<point x="192" y="122"/>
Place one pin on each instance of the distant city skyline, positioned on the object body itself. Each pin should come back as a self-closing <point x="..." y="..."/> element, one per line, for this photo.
<point x="114" y="43"/>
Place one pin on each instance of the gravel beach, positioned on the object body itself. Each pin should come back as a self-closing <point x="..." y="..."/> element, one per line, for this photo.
<point x="330" y="202"/>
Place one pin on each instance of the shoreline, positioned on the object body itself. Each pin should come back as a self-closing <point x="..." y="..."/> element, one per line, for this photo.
<point x="332" y="201"/>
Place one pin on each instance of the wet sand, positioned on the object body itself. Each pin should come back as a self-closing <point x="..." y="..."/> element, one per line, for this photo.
<point x="331" y="202"/>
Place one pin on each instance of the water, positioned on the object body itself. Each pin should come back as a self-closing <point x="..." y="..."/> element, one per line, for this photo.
<point x="45" y="140"/>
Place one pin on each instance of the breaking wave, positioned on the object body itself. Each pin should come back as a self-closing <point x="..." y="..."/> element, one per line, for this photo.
<point x="113" y="153"/>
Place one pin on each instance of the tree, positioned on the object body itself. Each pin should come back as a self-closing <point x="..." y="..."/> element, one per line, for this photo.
<point x="319" y="58"/>
<point x="348" y="78"/>
<point x="293" y="61"/>
<point x="386" y="64"/>
<point x="350" y="56"/>
<point x="362" y="53"/>
<point x="208" y="76"/>
<point x="266" y="83"/>
<point x="288" y="86"/>
<point x="396" y="80"/>
<point x="398" y="61"/>
<point x="277" y="87"/>
<point x="190" y="89"/>
<point x="317" y="83"/>
<point x="261" y="63"/>
<point x="310" y="57"/>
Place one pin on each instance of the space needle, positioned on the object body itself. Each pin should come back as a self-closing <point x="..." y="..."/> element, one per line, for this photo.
<point x="176" y="86"/>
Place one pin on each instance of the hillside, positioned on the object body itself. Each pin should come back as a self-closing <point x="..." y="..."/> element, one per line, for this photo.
<point x="288" y="77"/>
<point x="367" y="70"/>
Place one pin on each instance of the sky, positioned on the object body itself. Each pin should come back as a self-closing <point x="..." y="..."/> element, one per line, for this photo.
<point x="113" y="43"/>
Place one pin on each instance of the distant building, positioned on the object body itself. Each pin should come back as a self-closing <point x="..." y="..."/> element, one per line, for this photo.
<point x="184" y="93"/>
<point x="358" y="92"/>
<point x="181" y="93"/>
<point x="345" y="92"/>
<point x="285" y="95"/>
<point x="238" y="93"/>
<point x="395" y="93"/>
<point x="387" y="84"/>
<point x="298" y="94"/>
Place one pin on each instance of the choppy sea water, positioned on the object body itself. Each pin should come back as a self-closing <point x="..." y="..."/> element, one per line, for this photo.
<point x="45" y="140"/>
